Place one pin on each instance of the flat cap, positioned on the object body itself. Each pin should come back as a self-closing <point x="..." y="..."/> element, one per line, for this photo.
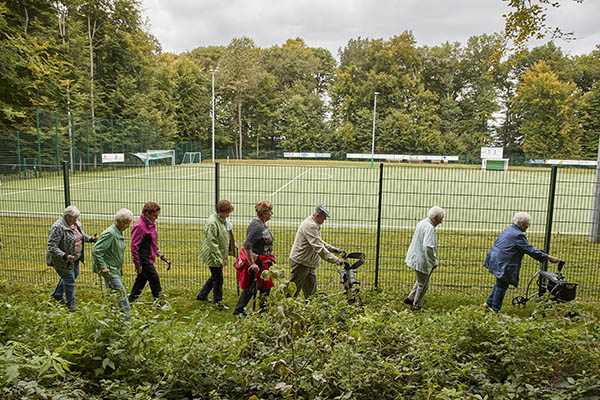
<point x="322" y="210"/>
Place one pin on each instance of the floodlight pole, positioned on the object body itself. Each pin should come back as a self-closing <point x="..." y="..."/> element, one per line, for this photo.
<point x="212" y="114"/>
<point x="373" y="140"/>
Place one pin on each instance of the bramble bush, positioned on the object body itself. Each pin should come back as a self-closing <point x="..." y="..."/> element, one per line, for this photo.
<point x="321" y="349"/>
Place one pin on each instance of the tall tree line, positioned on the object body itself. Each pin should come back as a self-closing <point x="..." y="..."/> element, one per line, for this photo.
<point x="98" y="59"/>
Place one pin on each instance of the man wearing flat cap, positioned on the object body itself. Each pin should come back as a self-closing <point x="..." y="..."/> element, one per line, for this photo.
<point x="307" y="251"/>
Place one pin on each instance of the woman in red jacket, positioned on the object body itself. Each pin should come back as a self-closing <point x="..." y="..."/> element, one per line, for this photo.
<point x="255" y="257"/>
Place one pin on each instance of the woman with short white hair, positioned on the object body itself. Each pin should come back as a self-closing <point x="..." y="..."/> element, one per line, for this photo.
<point x="505" y="257"/>
<point x="65" y="251"/>
<point x="108" y="256"/>
<point x="422" y="255"/>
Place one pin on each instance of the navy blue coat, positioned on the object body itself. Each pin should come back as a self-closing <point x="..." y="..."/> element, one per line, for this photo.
<point x="505" y="257"/>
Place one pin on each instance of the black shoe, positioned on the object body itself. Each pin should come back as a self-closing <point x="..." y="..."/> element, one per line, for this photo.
<point x="408" y="301"/>
<point x="73" y="308"/>
<point x="202" y="298"/>
<point x="240" y="314"/>
<point x="221" y="306"/>
<point x="59" y="299"/>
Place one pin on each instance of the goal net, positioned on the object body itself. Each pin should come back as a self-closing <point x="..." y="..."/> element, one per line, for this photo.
<point x="192" y="157"/>
<point x="155" y="155"/>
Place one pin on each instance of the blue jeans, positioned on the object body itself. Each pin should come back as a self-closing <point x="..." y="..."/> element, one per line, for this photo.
<point x="66" y="285"/>
<point x="215" y="281"/>
<point x="114" y="286"/>
<point x="497" y="296"/>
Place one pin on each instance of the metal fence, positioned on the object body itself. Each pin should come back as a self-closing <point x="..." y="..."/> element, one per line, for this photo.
<point x="374" y="210"/>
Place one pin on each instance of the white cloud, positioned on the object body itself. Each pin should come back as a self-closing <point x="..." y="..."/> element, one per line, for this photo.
<point x="182" y="25"/>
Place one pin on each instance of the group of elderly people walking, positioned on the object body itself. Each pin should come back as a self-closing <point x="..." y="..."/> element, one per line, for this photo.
<point x="66" y="250"/>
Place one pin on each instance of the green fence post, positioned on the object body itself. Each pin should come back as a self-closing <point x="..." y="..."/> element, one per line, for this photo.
<point x="216" y="184"/>
<point x="66" y="183"/>
<point x="380" y="195"/>
<point x="87" y="139"/>
<point x="122" y="137"/>
<point x="549" y="214"/>
<point x="19" y="151"/>
<point x="39" y="144"/>
<point x="56" y="136"/>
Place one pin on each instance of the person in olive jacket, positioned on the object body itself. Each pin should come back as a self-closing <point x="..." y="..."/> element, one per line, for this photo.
<point x="214" y="251"/>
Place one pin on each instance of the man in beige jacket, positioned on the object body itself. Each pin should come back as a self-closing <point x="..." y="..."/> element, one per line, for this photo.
<point x="307" y="251"/>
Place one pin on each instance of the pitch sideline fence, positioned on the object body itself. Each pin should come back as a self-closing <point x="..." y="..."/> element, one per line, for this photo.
<point x="374" y="211"/>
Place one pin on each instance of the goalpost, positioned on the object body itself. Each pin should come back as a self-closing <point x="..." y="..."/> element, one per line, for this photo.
<point x="155" y="155"/>
<point x="192" y="157"/>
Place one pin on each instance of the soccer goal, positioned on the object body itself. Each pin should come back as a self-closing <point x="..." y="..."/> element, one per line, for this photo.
<point x="192" y="157"/>
<point x="155" y="155"/>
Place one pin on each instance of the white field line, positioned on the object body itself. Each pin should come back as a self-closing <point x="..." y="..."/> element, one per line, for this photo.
<point x="96" y="181"/>
<point x="290" y="182"/>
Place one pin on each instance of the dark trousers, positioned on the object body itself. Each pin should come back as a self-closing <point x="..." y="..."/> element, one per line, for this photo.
<point x="247" y="294"/>
<point x="150" y="275"/>
<point x="214" y="282"/>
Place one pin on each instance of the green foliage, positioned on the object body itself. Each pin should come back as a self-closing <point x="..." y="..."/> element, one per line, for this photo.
<point x="322" y="348"/>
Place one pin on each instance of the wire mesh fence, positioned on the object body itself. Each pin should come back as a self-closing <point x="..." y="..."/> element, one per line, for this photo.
<point x="374" y="211"/>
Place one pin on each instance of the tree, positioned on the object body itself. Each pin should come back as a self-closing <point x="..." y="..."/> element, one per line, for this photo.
<point x="528" y="20"/>
<point x="241" y="72"/>
<point x="547" y="110"/>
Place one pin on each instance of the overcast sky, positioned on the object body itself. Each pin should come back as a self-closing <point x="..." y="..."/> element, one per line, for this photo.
<point x="182" y="25"/>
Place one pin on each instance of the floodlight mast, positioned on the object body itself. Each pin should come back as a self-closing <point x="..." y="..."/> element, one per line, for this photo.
<point x="212" y="114"/>
<point x="373" y="139"/>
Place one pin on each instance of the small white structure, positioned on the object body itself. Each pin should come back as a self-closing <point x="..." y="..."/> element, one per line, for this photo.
<point x="491" y="159"/>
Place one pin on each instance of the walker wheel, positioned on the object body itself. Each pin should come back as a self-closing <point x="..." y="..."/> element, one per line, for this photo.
<point x="519" y="301"/>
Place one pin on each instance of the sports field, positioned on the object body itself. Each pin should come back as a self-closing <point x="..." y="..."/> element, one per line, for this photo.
<point x="474" y="199"/>
<point x="479" y="204"/>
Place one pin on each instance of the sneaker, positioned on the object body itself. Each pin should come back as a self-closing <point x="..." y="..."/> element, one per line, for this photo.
<point x="408" y="301"/>
<point x="59" y="299"/>
<point x="486" y="306"/>
<point x="221" y="306"/>
<point x="202" y="298"/>
<point x="419" y="309"/>
<point x="73" y="308"/>
<point x="240" y="314"/>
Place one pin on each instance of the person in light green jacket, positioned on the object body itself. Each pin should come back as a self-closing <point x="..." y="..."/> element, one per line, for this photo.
<point x="214" y="251"/>
<point x="107" y="255"/>
<point x="422" y="256"/>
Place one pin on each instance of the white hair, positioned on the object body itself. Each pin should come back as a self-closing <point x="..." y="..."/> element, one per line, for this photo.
<point x="71" y="212"/>
<point x="123" y="216"/>
<point x="436" y="212"/>
<point x="521" y="218"/>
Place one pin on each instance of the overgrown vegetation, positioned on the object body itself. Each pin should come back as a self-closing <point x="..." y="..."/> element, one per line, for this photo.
<point x="320" y="349"/>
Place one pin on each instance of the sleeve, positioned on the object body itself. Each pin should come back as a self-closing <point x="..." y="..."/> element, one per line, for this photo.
<point x="253" y="235"/>
<point x="54" y="238"/>
<point x="523" y="245"/>
<point x="136" y="238"/>
<point x="99" y="250"/>
<point x="313" y="238"/>
<point x="213" y="256"/>
<point x="430" y="246"/>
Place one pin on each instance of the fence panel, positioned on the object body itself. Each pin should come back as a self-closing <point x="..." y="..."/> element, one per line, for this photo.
<point x="479" y="204"/>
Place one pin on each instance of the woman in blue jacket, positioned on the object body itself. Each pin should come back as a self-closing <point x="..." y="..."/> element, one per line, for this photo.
<point x="505" y="257"/>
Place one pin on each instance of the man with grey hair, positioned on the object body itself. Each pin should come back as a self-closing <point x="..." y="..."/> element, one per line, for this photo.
<point x="307" y="251"/>
<point x="505" y="257"/>
<point x="65" y="251"/>
<point x="108" y="256"/>
<point x="422" y="256"/>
